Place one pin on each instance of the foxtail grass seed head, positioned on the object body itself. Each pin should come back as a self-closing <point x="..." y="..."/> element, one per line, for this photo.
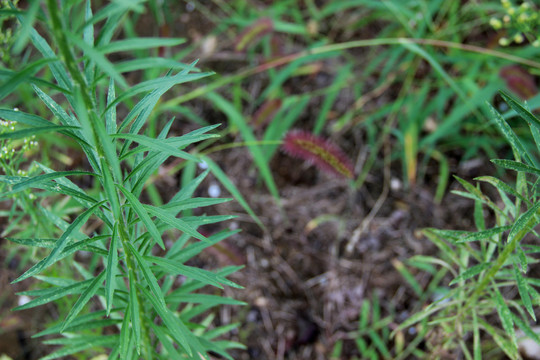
<point x="520" y="81"/>
<point x="253" y="33"/>
<point x="318" y="151"/>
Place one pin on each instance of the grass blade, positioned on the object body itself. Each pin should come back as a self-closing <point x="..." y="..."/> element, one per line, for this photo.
<point x="147" y="273"/>
<point x="110" y="280"/>
<point x="201" y="275"/>
<point x="83" y="299"/>
<point x="60" y="244"/>
<point x="179" y="224"/>
<point x="176" y="327"/>
<point x="143" y="215"/>
<point x="247" y="134"/>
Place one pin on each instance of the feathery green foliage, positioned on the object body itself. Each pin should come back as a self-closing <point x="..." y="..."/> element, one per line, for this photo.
<point x="130" y="279"/>
<point x="489" y="264"/>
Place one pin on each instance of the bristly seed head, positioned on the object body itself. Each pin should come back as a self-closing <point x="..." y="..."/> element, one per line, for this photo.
<point x="318" y="151"/>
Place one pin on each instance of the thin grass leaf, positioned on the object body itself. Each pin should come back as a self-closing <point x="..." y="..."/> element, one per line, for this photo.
<point x="83" y="322"/>
<point x="22" y="76"/>
<point x="43" y="243"/>
<point x="95" y="128"/>
<point x="156" y="145"/>
<point x="110" y="114"/>
<point x="139" y="43"/>
<point x="523" y="262"/>
<point x="438" y="68"/>
<point x="133" y="307"/>
<point x="516" y="166"/>
<point x="204" y="276"/>
<point x="379" y="344"/>
<point x="97" y="57"/>
<point x="204" y="299"/>
<point x="184" y="254"/>
<point x="526" y="328"/>
<point x="57" y="69"/>
<point x="187" y="190"/>
<point x="139" y="174"/>
<point x="219" y="347"/>
<point x="471" y="272"/>
<point x="51" y="243"/>
<point x="477" y="193"/>
<point x="6" y="74"/>
<point x="505" y="315"/>
<point x="287" y="72"/>
<point x="44" y="178"/>
<point x="150" y="63"/>
<point x="213" y="333"/>
<point x="229" y="185"/>
<point x="523" y="289"/>
<point x="113" y="12"/>
<point x="108" y="186"/>
<point x="154" y="159"/>
<point x="147" y="274"/>
<point x="479" y="220"/>
<point x="520" y="109"/>
<point x="477" y="348"/>
<point x="196" y="221"/>
<point x="409" y="278"/>
<point x="27" y="22"/>
<point x="110" y="280"/>
<point x="179" y="332"/>
<point x="56" y="109"/>
<point x="83" y="299"/>
<point x="88" y="37"/>
<point x="192" y="203"/>
<point x="79" y="344"/>
<point x="157" y="87"/>
<point x="247" y="134"/>
<point x="486" y="234"/>
<point x="19" y="134"/>
<point x="177" y="223"/>
<point x="83" y="139"/>
<point x="125" y="331"/>
<point x="500" y="185"/>
<point x="143" y="215"/>
<point x="51" y="294"/>
<point x="509" y="135"/>
<point x="79" y="196"/>
<point x="24" y="118"/>
<point x="523" y="221"/>
<point x="166" y="342"/>
<point x="340" y="81"/>
<point x="60" y="245"/>
<point x="87" y="325"/>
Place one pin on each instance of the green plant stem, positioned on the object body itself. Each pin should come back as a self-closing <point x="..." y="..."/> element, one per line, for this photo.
<point x="90" y="107"/>
<point x="65" y="50"/>
<point x="124" y="238"/>
<point x="501" y="260"/>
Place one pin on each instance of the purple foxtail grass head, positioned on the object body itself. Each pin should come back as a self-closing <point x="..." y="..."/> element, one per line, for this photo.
<point x="318" y="151"/>
<point x="520" y="81"/>
<point x="264" y="115"/>
<point x="252" y="33"/>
